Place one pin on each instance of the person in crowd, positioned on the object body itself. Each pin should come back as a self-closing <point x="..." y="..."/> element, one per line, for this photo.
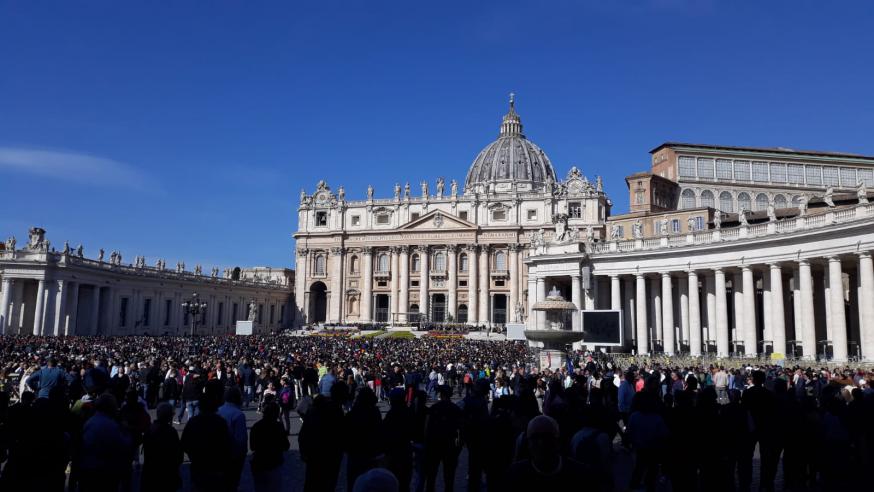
<point x="364" y="436"/>
<point x="546" y="468"/>
<point x="236" y="420"/>
<point x="43" y="380"/>
<point x="442" y="440"/>
<point x="208" y="443"/>
<point x="107" y="448"/>
<point x="162" y="453"/>
<point x="268" y="441"/>
<point x="321" y="440"/>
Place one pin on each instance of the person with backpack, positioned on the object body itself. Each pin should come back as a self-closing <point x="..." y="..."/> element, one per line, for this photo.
<point x="287" y="404"/>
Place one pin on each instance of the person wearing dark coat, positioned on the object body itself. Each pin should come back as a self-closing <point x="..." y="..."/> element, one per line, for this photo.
<point x="268" y="442"/>
<point x="162" y="452"/>
<point x="363" y="433"/>
<point x="321" y="440"/>
<point x="442" y="440"/>
<point x="207" y="442"/>
<point x="398" y="429"/>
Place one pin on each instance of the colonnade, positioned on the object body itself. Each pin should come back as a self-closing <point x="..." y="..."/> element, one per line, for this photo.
<point x="802" y="308"/>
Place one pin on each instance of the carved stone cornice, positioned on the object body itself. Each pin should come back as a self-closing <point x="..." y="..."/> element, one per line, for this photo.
<point x="338" y="251"/>
<point x="367" y="250"/>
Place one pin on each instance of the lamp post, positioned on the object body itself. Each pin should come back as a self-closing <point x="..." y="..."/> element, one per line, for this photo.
<point x="193" y="307"/>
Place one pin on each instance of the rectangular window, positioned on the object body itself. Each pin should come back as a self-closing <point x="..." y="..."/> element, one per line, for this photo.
<point x="321" y="219"/>
<point x="282" y="314"/>
<point x="866" y="176"/>
<point x="760" y="172"/>
<point x="122" y="315"/>
<point x="778" y="172"/>
<point x="462" y="215"/>
<point x="356" y="220"/>
<point x="741" y="170"/>
<point x="830" y="176"/>
<point x="499" y="283"/>
<point x="848" y="177"/>
<point x="462" y="283"/>
<point x="234" y="312"/>
<point x="814" y="175"/>
<point x="675" y="225"/>
<point x="414" y="283"/>
<point x="532" y="215"/>
<point x="575" y="210"/>
<point x="795" y="174"/>
<point x="382" y="219"/>
<point x="220" y="313"/>
<point x="621" y="231"/>
<point x="698" y="223"/>
<point x="687" y="167"/>
<point x="147" y="310"/>
<point x="168" y="308"/>
<point x="723" y="169"/>
<point x="705" y="168"/>
<point x="381" y="283"/>
<point x="499" y="215"/>
<point x="414" y="215"/>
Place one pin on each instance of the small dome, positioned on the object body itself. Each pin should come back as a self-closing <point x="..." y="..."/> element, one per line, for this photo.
<point x="510" y="162"/>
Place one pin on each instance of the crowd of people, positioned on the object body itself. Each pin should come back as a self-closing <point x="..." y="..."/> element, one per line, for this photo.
<point x="83" y="413"/>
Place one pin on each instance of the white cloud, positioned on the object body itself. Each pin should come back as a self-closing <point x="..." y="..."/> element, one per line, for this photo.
<point x="72" y="166"/>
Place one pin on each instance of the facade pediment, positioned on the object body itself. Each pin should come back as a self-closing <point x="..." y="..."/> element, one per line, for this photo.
<point x="437" y="220"/>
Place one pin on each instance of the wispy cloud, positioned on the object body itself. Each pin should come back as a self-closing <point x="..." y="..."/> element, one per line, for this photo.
<point x="73" y="166"/>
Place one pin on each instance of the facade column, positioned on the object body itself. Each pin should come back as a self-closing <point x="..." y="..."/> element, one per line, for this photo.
<point x="767" y="319"/>
<point x="576" y="298"/>
<point x="367" y="285"/>
<point x="336" y="314"/>
<point x="393" y="285"/>
<point x="710" y="296"/>
<point x="5" y="299"/>
<point x="751" y="344"/>
<point x="60" y="308"/>
<point x="591" y="293"/>
<point x="866" y="308"/>
<point x="655" y="302"/>
<point x="541" y="296"/>
<point x="778" y="316"/>
<point x="472" y="291"/>
<point x="72" y="318"/>
<point x="738" y="300"/>
<point x="839" y="320"/>
<point x="694" y="315"/>
<point x="424" y="276"/>
<point x="668" y="342"/>
<point x="722" y="328"/>
<point x="404" y="284"/>
<point x="301" y="277"/>
<point x="805" y="327"/>
<point x="615" y="293"/>
<point x="630" y="312"/>
<point x="684" y="310"/>
<point x="514" y="283"/>
<point x="38" y="307"/>
<point x="452" y="287"/>
<point x="95" y="312"/>
<point x="484" y="283"/>
<point x="642" y="324"/>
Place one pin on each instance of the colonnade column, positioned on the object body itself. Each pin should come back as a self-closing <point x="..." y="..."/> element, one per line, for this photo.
<point x="404" y="284"/>
<point x="301" y="273"/>
<point x="38" y="308"/>
<point x="806" y="323"/>
<point x="337" y="289"/>
<point x="424" y="276"/>
<point x="472" y="292"/>
<point x="60" y="308"/>
<point x="684" y="310"/>
<point x="839" y="320"/>
<point x="778" y="317"/>
<point x="710" y="296"/>
<point x="72" y="318"/>
<point x="655" y="292"/>
<point x="642" y="325"/>
<point x="394" y="285"/>
<point x="484" y="284"/>
<point x="576" y="298"/>
<point x="668" y="343"/>
<point x="541" y="295"/>
<point x="615" y="293"/>
<point x="514" y="283"/>
<point x="367" y="286"/>
<point x="738" y="299"/>
<point x="630" y="311"/>
<point x="694" y="315"/>
<point x="749" y="319"/>
<point x="452" y="280"/>
<point x="95" y="311"/>
<point x="5" y="299"/>
<point x="866" y="308"/>
<point x="722" y="328"/>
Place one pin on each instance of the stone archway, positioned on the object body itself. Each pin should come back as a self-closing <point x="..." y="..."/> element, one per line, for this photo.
<point x="318" y="307"/>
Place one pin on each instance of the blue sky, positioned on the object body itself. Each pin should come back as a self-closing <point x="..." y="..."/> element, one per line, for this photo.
<point x="185" y="130"/>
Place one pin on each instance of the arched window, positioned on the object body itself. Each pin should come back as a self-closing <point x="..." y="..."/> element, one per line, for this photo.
<point x="414" y="261"/>
<point x="744" y="202"/>
<point x="320" y="265"/>
<point x="796" y="201"/>
<point x="780" y="201"/>
<point x="500" y="261"/>
<point x="761" y="201"/>
<point x="462" y="262"/>
<point x="440" y="262"/>
<point x="707" y="199"/>
<point x="687" y="199"/>
<point x="353" y="264"/>
<point x="382" y="263"/>
<point x="461" y="316"/>
<point x="726" y="202"/>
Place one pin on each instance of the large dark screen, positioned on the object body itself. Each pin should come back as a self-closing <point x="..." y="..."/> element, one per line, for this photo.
<point x="602" y="327"/>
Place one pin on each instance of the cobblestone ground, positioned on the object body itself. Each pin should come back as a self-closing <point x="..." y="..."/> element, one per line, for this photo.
<point x="293" y="467"/>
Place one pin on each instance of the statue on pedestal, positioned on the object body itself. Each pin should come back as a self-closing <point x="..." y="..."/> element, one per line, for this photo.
<point x="828" y="196"/>
<point x="424" y="189"/>
<point x="100" y="255"/>
<point x="341" y="193"/>
<point x="453" y="187"/>
<point x="369" y="192"/>
<point x="772" y="213"/>
<point x="637" y="229"/>
<point x="440" y="185"/>
<point x="862" y="193"/>
<point x="397" y="191"/>
<point x="10" y="243"/>
<point x="253" y="311"/>
<point x="80" y="251"/>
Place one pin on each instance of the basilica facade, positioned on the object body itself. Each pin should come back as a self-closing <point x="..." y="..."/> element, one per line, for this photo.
<point x="725" y="250"/>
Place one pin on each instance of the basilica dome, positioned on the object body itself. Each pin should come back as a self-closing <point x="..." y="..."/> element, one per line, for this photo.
<point x="512" y="162"/>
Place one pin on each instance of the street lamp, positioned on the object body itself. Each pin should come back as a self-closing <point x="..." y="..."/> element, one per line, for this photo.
<point x="193" y="307"/>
